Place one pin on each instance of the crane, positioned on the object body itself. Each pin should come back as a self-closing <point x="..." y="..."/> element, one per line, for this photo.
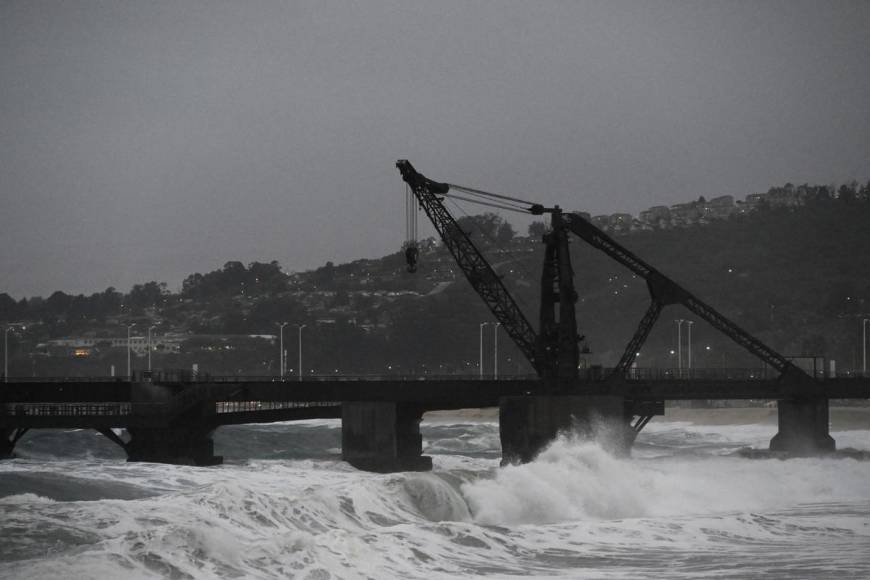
<point x="554" y="349"/>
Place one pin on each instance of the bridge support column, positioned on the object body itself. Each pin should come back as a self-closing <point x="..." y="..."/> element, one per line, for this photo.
<point x="803" y="427"/>
<point x="383" y="437"/>
<point x="178" y="446"/>
<point x="528" y="424"/>
<point x="8" y="439"/>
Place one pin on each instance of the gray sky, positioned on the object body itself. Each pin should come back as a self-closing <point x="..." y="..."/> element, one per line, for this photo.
<point x="149" y="140"/>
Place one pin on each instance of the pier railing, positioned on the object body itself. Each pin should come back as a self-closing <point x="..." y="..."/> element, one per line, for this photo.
<point x="590" y="373"/>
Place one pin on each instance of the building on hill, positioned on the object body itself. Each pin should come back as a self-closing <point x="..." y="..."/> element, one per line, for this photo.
<point x="753" y="200"/>
<point x="684" y="214"/>
<point x="617" y="222"/>
<point x="719" y="207"/>
<point x="87" y="345"/>
<point x="621" y="222"/>
<point x="602" y="222"/>
<point x="658" y="216"/>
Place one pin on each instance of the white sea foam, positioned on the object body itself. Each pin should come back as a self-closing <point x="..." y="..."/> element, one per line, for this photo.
<point x="576" y="481"/>
<point x="576" y="511"/>
<point x="24" y="498"/>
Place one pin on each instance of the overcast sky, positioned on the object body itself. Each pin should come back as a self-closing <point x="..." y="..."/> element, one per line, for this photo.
<point x="149" y="140"/>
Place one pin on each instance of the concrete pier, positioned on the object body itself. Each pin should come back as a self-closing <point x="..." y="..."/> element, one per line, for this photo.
<point x="7" y="443"/>
<point x="179" y="446"/>
<point x="8" y="439"/>
<point x="185" y="440"/>
<point x="383" y="437"/>
<point x="803" y="427"/>
<point x="528" y="424"/>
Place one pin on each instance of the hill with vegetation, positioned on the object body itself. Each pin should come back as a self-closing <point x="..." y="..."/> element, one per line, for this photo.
<point x="796" y="277"/>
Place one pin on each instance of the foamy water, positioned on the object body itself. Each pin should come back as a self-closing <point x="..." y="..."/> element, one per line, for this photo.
<point x="686" y="505"/>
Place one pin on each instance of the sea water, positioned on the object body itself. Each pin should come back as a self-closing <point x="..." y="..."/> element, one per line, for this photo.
<point x="687" y="504"/>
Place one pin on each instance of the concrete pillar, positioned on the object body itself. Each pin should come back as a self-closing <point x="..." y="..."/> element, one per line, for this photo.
<point x="803" y="427"/>
<point x="185" y="436"/>
<point x="177" y="445"/>
<point x="8" y="439"/>
<point x="528" y="424"/>
<point x="7" y="443"/>
<point x="383" y="437"/>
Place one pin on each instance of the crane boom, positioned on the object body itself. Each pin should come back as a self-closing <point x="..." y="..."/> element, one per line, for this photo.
<point x="664" y="291"/>
<point x="485" y="281"/>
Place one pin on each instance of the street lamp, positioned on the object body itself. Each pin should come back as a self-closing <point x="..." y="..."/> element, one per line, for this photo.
<point x="281" y="352"/>
<point x="6" y="354"/>
<point x="129" y="376"/>
<point x="482" y="324"/>
<point x="300" y="327"/>
<point x="679" y="322"/>
<point x="495" y="352"/>
<point x="149" y="347"/>
<point x="689" y="323"/>
<point x="864" y="345"/>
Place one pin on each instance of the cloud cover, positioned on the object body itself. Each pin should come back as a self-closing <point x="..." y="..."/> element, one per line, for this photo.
<point x="147" y="141"/>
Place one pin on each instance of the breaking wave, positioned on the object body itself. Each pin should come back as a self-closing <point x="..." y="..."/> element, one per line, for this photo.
<point x="685" y="506"/>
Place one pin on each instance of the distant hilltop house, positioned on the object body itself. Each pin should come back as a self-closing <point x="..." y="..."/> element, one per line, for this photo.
<point x="658" y="216"/>
<point x="719" y="207"/>
<point x="696" y="212"/>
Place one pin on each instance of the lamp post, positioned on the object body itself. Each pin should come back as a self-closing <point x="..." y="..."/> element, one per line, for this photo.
<point x="480" y="370"/>
<point x="864" y="345"/>
<point x="689" y="324"/>
<point x="281" y="352"/>
<point x="495" y="352"/>
<point x="300" y="327"/>
<point x="149" y="347"/>
<point x="679" y="322"/>
<point x="129" y="376"/>
<point x="6" y="354"/>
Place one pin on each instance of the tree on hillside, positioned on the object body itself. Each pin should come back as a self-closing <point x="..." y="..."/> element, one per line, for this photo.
<point x="233" y="279"/>
<point x="537" y="230"/>
<point x="505" y="233"/>
<point x="57" y="304"/>
<point x="8" y="307"/>
<point x="266" y="278"/>
<point x="486" y="229"/>
<point x="146" y="295"/>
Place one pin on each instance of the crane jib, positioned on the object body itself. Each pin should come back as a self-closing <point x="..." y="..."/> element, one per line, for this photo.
<point x="488" y="285"/>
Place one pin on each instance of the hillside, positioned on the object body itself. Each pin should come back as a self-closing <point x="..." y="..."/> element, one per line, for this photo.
<point x="798" y="278"/>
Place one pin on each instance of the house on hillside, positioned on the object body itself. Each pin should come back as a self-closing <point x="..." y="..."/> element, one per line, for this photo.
<point x="684" y="214"/>
<point x="602" y="222"/>
<point x="719" y="207"/>
<point x="621" y="222"/>
<point x="658" y="216"/>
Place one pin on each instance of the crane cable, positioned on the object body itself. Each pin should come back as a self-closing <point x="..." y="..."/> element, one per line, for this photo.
<point x="410" y="217"/>
<point x="488" y="204"/>
<point x="518" y="297"/>
<point x="481" y="193"/>
<point x="410" y="246"/>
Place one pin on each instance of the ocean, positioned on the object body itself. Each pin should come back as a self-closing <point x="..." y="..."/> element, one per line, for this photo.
<point x="687" y="504"/>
